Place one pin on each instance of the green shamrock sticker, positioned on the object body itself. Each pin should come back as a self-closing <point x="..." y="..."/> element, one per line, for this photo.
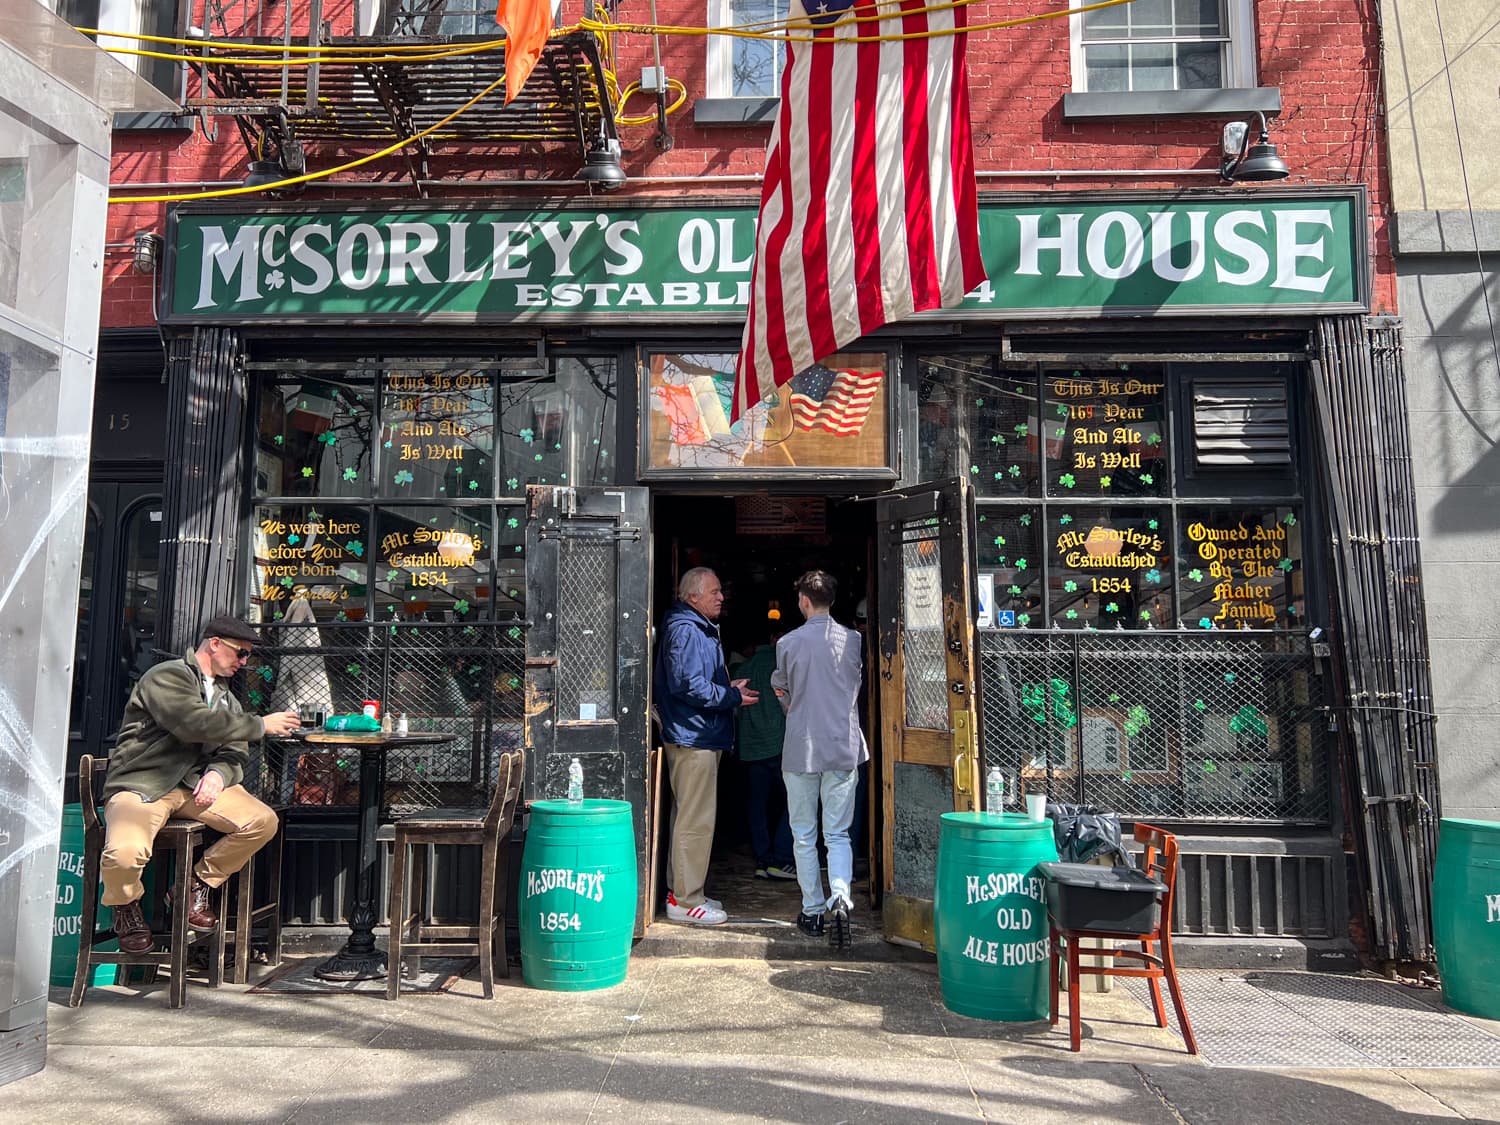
<point x="527" y="435"/>
<point x="255" y="697"/>
<point x="328" y="438"/>
<point x="1153" y="439"/>
<point x="1114" y="697"/>
<point x="1105" y="481"/>
<point x="1022" y="429"/>
<point x="294" y="539"/>
<point x="1061" y="431"/>
<point x="1013" y="591"/>
<point x="1020" y="564"/>
<point x="1147" y="478"/>
<point x="1070" y="586"/>
<point x="1062" y="410"/>
<point x="1023" y="619"/>
<point x="1145" y="615"/>
<point x="279" y="440"/>
<point x="461" y="606"/>
<point x="514" y="632"/>
<point x="1025" y="519"/>
<point x="287" y="581"/>
<point x="351" y="474"/>
<point x="473" y="486"/>
<point x="355" y="548"/>
<point x="1229" y="677"/>
<point x="1014" y="470"/>
<point x="1112" y="607"/>
<point x="1067" y="480"/>
<point x="1071" y="615"/>
<point x="512" y="522"/>
<point x="979" y="402"/>
<point x="1209" y="767"/>
<point x="512" y="484"/>
<point x="392" y="575"/>
<point x="352" y="669"/>
<point x="1205" y="623"/>
<point x="1153" y="576"/>
<point x="1064" y="520"/>
<point x="974" y="469"/>
<point x="1195" y="574"/>
<point x="266" y="673"/>
<point x="1284" y="565"/>
<point x="1199" y="705"/>
<point x="1290" y="519"/>
<point x="403" y="477"/>
<point x="1152" y="524"/>
<point x="996" y="439"/>
<point x="306" y="472"/>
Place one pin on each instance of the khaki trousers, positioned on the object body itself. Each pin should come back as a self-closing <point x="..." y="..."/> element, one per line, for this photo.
<point x="695" y="803"/>
<point x="131" y="824"/>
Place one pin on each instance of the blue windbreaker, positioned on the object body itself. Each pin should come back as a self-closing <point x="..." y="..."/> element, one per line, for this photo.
<point x="693" y="698"/>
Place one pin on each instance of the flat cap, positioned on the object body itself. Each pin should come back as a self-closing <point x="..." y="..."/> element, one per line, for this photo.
<point x="230" y="628"/>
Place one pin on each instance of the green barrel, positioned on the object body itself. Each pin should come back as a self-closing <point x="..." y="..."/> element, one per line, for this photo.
<point x="68" y="912"/>
<point x="1466" y="915"/>
<point x="578" y="895"/>
<point x="990" y="915"/>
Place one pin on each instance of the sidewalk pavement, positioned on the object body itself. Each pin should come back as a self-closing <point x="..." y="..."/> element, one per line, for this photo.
<point x="688" y="1037"/>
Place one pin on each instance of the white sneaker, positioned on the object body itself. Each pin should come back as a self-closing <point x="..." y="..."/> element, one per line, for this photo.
<point x="715" y="903"/>
<point x="705" y="915"/>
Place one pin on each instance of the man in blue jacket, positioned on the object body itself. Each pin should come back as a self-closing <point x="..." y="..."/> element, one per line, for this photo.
<point x="695" y="703"/>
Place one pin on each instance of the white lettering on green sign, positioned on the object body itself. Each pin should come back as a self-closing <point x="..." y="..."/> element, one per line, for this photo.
<point x="1195" y="254"/>
<point x="1493" y="902"/>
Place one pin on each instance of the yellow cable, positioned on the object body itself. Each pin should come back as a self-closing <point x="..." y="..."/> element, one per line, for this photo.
<point x="646" y="118"/>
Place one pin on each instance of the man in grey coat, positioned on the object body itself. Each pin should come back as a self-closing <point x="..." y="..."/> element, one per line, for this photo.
<point x="819" y="667"/>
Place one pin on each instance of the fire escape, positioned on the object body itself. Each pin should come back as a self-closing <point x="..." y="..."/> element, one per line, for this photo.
<point x="381" y="95"/>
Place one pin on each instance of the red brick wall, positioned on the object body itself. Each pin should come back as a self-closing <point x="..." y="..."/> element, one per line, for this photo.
<point x="1322" y="54"/>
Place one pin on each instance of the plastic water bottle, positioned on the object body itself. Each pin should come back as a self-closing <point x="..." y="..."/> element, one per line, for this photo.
<point x="994" y="791"/>
<point x="575" y="781"/>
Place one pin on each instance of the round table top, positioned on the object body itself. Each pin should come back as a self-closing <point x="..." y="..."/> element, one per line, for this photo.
<point x="371" y="738"/>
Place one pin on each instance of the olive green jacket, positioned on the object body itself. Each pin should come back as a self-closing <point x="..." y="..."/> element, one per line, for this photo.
<point x="170" y="735"/>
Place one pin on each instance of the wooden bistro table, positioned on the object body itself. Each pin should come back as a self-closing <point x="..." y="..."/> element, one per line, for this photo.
<point x="359" y="959"/>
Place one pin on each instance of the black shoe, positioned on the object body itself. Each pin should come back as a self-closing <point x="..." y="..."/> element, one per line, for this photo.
<point x="810" y="924"/>
<point x="836" y="923"/>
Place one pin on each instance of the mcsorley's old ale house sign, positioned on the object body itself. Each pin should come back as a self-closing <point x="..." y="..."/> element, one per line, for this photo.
<point x="1183" y="254"/>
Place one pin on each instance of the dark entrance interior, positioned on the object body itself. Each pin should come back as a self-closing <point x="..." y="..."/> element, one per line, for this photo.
<point x="758" y="544"/>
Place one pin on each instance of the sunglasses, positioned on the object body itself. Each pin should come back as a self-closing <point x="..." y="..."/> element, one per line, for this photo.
<point x="242" y="653"/>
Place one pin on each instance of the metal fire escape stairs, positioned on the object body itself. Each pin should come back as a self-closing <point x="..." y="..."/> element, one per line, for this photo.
<point x="368" y="104"/>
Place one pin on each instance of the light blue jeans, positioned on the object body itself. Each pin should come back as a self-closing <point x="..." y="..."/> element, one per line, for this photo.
<point x="837" y="789"/>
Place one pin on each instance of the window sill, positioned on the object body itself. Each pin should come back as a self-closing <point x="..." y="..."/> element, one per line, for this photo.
<point x="143" y="122"/>
<point x="735" y="111"/>
<point x="1173" y="103"/>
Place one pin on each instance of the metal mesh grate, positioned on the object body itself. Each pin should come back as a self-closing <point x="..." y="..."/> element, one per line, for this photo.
<point x="585" y="648"/>
<point x="1322" y="1020"/>
<point x="923" y="660"/>
<point x="466" y="679"/>
<point x="1168" y="725"/>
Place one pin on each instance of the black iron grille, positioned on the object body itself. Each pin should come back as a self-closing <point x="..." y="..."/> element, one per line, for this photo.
<point x="466" y="679"/>
<point x="1169" y="726"/>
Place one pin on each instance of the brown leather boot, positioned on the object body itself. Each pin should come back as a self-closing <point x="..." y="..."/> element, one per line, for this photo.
<point x="131" y="930"/>
<point x="201" y="917"/>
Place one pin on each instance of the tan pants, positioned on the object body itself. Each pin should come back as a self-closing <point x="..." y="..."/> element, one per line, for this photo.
<point x="131" y="825"/>
<point x="695" y="803"/>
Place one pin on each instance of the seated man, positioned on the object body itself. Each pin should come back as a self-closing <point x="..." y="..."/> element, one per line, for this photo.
<point x="182" y="751"/>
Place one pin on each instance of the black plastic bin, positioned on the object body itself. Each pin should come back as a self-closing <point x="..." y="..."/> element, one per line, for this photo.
<point x="1085" y="896"/>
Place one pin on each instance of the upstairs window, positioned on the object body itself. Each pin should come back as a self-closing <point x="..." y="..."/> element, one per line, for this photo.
<point x="745" y="67"/>
<point x="132" y="17"/>
<point x="1157" y="45"/>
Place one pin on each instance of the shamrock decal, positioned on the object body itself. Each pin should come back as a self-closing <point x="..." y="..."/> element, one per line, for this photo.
<point x="1105" y="481"/>
<point x="287" y="581"/>
<point x="279" y="440"/>
<point x="1023" y="619"/>
<point x="512" y="484"/>
<point x="1153" y="576"/>
<point x="294" y="539"/>
<point x="1013" y="591"/>
<point x="266" y="673"/>
<point x="1285" y="565"/>
<point x="473" y="486"/>
<point x="512" y="522"/>
<point x="1153" y="439"/>
<point x="1063" y="521"/>
<point x="1062" y="410"/>
<point x="351" y="474"/>
<point x="352" y="669"/>
<point x="1067" y="480"/>
<point x="1290" y="519"/>
<point x="1195" y="574"/>
<point x="527" y="435"/>
<point x="1199" y="705"/>
<point x="1205" y="623"/>
<point x="1229" y="677"/>
<point x="392" y="575"/>
<point x="1147" y="478"/>
<point x="1025" y="519"/>
<point x="461" y="606"/>
<point x="306" y="472"/>
<point x="1112" y="607"/>
<point x="1153" y="524"/>
<point x="1060" y="431"/>
<point x="328" y="438"/>
<point x="355" y="548"/>
<point x="1022" y="429"/>
<point x="1071" y="615"/>
<point x="1145" y="615"/>
<point x="1020" y="564"/>
<point x="404" y="477"/>
<point x="1070" y="586"/>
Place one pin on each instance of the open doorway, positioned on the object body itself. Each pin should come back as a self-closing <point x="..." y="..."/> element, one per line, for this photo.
<point x="758" y="544"/>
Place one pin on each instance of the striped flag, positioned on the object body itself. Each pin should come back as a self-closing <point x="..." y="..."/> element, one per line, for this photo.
<point x="836" y="402"/>
<point x="869" y="210"/>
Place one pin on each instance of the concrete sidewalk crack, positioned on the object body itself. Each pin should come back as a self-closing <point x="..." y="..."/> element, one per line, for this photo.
<point x="1160" y="1095"/>
<point x="630" y="1025"/>
<point x="1435" y="1097"/>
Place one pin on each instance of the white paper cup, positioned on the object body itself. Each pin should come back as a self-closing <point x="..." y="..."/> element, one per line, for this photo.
<point x="1036" y="806"/>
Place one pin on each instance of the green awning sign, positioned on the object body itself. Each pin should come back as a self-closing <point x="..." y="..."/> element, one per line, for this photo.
<point x="1188" y="253"/>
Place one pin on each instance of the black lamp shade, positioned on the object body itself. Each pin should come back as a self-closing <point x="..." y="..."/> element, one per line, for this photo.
<point x="263" y="172"/>
<point x="1261" y="163"/>
<point x="602" y="168"/>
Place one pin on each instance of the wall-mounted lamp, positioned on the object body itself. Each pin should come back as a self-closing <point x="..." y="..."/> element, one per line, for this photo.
<point x="146" y="251"/>
<point x="1259" y="162"/>
<point x="601" y="166"/>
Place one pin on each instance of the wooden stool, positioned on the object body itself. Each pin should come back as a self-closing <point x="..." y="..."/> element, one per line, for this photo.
<point x="236" y="926"/>
<point x="178" y="836"/>
<point x="413" y="934"/>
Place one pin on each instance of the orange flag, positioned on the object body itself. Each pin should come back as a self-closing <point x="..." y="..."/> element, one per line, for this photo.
<point x="527" y="24"/>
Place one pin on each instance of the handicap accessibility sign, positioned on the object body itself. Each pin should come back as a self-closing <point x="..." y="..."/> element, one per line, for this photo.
<point x="1006" y="618"/>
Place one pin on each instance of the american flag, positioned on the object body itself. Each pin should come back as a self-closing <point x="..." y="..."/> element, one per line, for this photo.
<point x="834" y="401"/>
<point x="869" y="210"/>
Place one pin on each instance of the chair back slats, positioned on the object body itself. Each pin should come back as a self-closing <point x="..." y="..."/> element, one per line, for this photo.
<point x="502" y="808"/>
<point x="1160" y="862"/>
<point x="91" y="772"/>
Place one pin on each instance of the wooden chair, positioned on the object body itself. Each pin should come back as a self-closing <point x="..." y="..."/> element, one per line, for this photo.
<point x="413" y="934"/>
<point x="1160" y="862"/>
<point x="237" y="925"/>
<point x="178" y="836"/>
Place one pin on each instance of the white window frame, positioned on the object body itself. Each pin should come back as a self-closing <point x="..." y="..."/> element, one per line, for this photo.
<point x="720" y="73"/>
<point x="1239" y="71"/>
